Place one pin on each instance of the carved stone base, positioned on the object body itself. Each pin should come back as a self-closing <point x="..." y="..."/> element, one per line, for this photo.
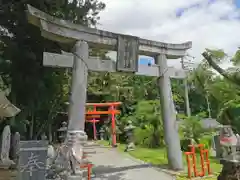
<point x="66" y="164"/>
<point x="6" y="164"/>
<point x="230" y="171"/>
<point x="130" y="147"/>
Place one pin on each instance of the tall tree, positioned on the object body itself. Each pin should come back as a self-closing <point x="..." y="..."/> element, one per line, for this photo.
<point x="37" y="90"/>
<point x="225" y="90"/>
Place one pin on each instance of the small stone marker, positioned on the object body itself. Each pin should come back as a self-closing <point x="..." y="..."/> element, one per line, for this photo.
<point x="32" y="160"/>
<point x="130" y="136"/>
<point x="216" y="145"/>
<point x="5" y="148"/>
<point x="15" y="146"/>
<point x="101" y="131"/>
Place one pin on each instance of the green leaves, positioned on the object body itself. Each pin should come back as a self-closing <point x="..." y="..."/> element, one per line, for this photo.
<point x="39" y="92"/>
<point x="191" y="128"/>
<point x="147" y="118"/>
<point x="224" y="90"/>
<point x="218" y="54"/>
<point x="236" y="58"/>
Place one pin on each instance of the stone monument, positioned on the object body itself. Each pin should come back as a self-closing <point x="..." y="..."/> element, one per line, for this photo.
<point x="129" y="130"/>
<point x="80" y="39"/>
<point x="15" y="146"/>
<point x="5" y="162"/>
<point x="32" y="160"/>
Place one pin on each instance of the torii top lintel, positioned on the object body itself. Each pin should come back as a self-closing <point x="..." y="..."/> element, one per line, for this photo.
<point x="66" y="32"/>
<point x="104" y="104"/>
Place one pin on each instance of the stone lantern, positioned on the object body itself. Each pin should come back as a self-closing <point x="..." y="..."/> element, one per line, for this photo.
<point x="7" y="109"/>
<point x="230" y="155"/>
<point x="129" y="130"/>
<point x="62" y="132"/>
<point x="101" y="132"/>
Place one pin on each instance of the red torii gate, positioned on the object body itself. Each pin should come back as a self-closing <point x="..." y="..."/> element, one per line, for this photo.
<point x="92" y="119"/>
<point x="111" y="111"/>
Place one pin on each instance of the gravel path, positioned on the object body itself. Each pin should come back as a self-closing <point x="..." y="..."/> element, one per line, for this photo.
<point x="109" y="164"/>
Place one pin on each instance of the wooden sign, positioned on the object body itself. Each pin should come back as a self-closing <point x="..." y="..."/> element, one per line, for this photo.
<point x="127" y="53"/>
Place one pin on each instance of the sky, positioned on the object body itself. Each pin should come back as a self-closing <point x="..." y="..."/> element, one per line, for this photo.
<point x="207" y="23"/>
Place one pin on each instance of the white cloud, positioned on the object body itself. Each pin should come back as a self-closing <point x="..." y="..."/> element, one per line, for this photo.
<point x="156" y="20"/>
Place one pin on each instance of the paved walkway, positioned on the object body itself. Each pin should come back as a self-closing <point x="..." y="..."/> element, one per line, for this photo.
<point x="113" y="165"/>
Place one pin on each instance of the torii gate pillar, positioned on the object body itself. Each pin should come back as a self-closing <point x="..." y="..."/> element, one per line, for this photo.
<point x="168" y="115"/>
<point x="76" y="135"/>
<point x="79" y="87"/>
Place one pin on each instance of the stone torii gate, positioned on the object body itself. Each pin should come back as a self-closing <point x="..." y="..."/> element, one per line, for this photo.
<point x="80" y="38"/>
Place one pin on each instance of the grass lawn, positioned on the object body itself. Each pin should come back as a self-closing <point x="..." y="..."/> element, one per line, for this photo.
<point x="159" y="157"/>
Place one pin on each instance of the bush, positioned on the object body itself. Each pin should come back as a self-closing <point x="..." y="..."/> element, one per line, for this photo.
<point x="148" y="137"/>
<point x="207" y="141"/>
<point x="185" y="144"/>
<point x="147" y="118"/>
<point x="142" y="137"/>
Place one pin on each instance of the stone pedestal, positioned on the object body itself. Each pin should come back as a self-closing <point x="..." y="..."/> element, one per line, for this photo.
<point x="5" y="143"/>
<point x="231" y="168"/>
<point x="66" y="163"/>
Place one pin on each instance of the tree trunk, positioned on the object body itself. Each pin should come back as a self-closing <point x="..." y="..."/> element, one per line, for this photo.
<point x="31" y="126"/>
<point x="221" y="71"/>
<point x="50" y="138"/>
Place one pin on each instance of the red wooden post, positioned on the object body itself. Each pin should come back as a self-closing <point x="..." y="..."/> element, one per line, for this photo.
<point x="89" y="169"/>
<point x="201" y="146"/>
<point x="188" y="154"/>
<point x="194" y="160"/>
<point x="94" y="130"/>
<point x="204" y="160"/>
<point x="114" y="139"/>
<point x="207" y="162"/>
<point x="94" y="126"/>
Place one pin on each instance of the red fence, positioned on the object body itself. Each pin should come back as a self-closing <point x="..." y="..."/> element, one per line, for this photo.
<point x="191" y="159"/>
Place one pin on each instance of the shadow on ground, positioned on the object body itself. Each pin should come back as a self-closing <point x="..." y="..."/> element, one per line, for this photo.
<point x="114" y="173"/>
<point x="111" y="169"/>
<point x="115" y="176"/>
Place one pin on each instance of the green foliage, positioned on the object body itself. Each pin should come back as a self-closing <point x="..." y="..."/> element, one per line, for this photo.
<point x="147" y="118"/>
<point x="236" y="58"/>
<point x="144" y="137"/>
<point x="218" y="54"/>
<point x="225" y="91"/>
<point x="191" y="128"/>
<point x="207" y="141"/>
